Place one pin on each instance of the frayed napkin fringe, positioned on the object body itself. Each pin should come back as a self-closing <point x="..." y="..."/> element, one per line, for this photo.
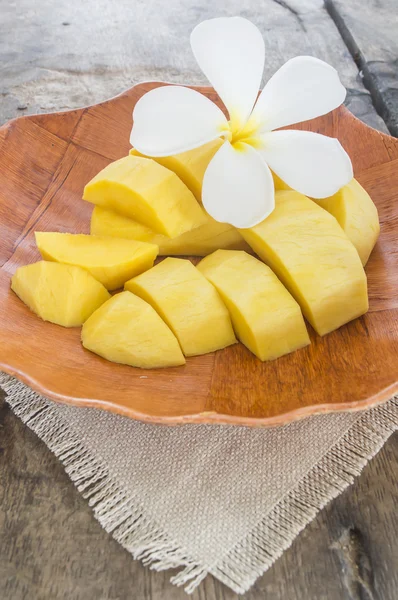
<point x="249" y="559"/>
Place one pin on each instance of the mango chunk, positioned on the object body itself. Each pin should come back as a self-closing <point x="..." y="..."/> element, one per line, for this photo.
<point x="355" y="212"/>
<point x="143" y="190"/>
<point x="357" y="215"/>
<point x="279" y="183"/>
<point x="127" y="330"/>
<point x="201" y="241"/>
<point x="188" y="303"/>
<point x="310" y="253"/>
<point x="112" y="261"/>
<point x="190" y="166"/>
<point x="63" y="294"/>
<point x="266" y="318"/>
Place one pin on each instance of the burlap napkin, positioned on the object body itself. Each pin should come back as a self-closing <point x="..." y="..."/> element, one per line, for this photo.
<point x="207" y="499"/>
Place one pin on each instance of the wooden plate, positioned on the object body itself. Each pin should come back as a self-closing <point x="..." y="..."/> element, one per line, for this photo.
<point x="45" y="161"/>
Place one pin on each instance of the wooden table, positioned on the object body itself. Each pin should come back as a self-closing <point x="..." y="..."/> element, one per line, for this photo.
<point x="59" y="55"/>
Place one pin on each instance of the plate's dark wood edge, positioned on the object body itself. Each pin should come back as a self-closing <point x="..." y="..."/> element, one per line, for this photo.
<point x="206" y="417"/>
<point x="148" y="85"/>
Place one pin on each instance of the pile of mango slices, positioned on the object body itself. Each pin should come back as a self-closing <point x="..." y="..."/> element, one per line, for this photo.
<point x="308" y="262"/>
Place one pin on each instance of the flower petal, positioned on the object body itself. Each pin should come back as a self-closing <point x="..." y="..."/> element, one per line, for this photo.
<point x="173" y="119"/>
<point x="303" y="88"/>
<point x="313" y="164"/>
<point x="230" y="51"/>
<point x="238" y="187"/>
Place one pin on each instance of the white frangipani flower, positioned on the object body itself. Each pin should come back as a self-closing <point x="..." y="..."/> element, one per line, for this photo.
<point x="238" y="187"/>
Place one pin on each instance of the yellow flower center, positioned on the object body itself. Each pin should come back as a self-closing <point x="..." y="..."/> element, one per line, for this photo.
<point x="238" y="136"/>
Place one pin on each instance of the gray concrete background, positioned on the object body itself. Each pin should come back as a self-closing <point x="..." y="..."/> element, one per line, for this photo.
<point x="59" y="55"/>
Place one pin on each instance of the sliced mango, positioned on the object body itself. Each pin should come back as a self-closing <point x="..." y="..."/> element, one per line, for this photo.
<point x="199" y="242"/>
<point x="357" y="215"/>
<point x="63" y="294"/>
<point x="188" y="303"/>
<point x="355" y="212"/>
<point x="310" y="253"/>
<point x="190" y="166"/>
<point x="266" y="318"/>
<point x="279" y="183"/>
<point x="110" y="260"/>
<point x="143" y="190"/>
<point x="127" y="330"/>
<point x="108" y="223"/>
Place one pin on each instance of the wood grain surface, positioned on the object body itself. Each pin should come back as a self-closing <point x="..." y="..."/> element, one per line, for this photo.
<point x="370" y="30"/>
<point x="65" y="55"/>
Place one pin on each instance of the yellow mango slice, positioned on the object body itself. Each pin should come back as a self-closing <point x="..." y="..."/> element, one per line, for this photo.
<point x="310" y="253"/>
<point x="357" y="215"/>
<point x="128" y="330"/>
<point x="143" y="190"/>
<point x="266" y="318"/>
<point x="279" y="183"/>
<point x="108" y="223"/>
<point x="355" y="212"/>
<point x="63" y="294"/>
<point x="190" y="166"/>
<point x="188" y="303"/>
<point x="201" y="241"/>
<point x="110" y="260"/>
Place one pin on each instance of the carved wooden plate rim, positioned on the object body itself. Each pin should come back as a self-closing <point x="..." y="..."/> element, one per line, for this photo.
<point x="39" y="153"/>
